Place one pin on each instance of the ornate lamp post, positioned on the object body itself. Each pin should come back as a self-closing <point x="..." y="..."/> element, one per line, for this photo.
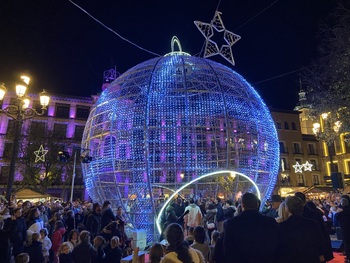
<point x="20" y="112"/>
<point x="328" y="133"/>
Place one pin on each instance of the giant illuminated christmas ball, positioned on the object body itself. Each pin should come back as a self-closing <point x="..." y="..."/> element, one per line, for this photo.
<point x="170" y="120"/>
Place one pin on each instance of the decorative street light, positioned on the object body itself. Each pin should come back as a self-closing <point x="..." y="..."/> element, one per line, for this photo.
<point x="328" y="132"/>
<point x="20" y="112"/>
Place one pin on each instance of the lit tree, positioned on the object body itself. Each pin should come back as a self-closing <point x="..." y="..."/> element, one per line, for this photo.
<point x="328" y="79"/>
<point x="42" y="174"/>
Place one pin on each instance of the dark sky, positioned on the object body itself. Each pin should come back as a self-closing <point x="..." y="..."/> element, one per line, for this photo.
<point x="66" y="51"/>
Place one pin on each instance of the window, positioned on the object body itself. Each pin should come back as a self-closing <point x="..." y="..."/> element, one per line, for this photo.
<point x="78" y="132"/>
<point x="315" y="179"/>
<point x="279" y="126"/>
<point x="296" y="148"/>
<point x="311" y="149"/>
<point x="286" y="125"/>
<point x="7" y="150"/>
<point x="300" y="180"/>
<point x="59" y="130"/>
<point x="283" y="149"/>
<point x="294" y="127"/>
<point x="284" y="164"/>
<point x="314" y="165"/>
<point x="37" y="128"/>
<point x="82" y="112"/>
<point x="62" y="110"/>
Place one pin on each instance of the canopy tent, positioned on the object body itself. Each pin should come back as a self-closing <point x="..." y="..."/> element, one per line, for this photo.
<point x="28" y="194"/>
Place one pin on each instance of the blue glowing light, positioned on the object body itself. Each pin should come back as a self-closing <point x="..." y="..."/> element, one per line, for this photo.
<point x="170" y="120"/>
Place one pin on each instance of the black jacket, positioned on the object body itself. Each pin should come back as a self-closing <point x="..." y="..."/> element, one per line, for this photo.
<point x="93" y="224"/>
<point x="107" y="217"/>
<point x="66" y="258"/>
<point x="35" y="252"/>
<point x="301" y="241"/>
<point x="251" y="237"/>
<point x="84" y="253"/>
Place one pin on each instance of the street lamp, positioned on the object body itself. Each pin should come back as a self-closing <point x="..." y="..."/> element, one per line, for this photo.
<point x="20" y="112"/>
<point x="328" y="133"/>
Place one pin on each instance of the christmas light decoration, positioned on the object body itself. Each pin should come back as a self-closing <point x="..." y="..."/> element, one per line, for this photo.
<point x="298" y="168"/>
<point x="40" y="154"/>
<point x="170" y="120"/>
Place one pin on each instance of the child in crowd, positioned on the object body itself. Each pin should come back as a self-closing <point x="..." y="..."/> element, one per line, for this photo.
<point x="35" y="250"/>
<point x="127" y="250"/>
<point x="57" y="236"/>
<point x="190" y="237"/>
<point x="65" y="253"/>
<point x="22" y="258"/>
<point x="46" y="244"/>
<point x="214" y="236"/>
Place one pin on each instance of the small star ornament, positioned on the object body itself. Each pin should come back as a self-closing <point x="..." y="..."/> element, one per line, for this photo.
<point x="40" y="154"/>
<point x="307" y="166"/>
<point x="298" y="168"/>
<point x="211" y="47"/>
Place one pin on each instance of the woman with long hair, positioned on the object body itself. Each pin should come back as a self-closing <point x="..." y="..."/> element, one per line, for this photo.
<point x="178" y="250"/>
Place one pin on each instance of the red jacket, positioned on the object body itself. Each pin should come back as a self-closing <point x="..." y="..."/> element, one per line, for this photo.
<point x="56" y="238"/>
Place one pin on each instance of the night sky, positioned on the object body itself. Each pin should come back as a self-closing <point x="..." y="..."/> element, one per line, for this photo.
<point x="66" y="51"/>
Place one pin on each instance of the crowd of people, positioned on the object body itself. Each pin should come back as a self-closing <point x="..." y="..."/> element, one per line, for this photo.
<point x="194" y="231"/>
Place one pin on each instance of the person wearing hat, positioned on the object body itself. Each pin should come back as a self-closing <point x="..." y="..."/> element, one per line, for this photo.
<point x="275" y="201"/>
<point x="107" y="215"/>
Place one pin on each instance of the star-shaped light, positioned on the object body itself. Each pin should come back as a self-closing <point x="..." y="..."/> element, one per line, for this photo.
<point x="298" y="168"/>
<point x="40" y="154"/>
<point x="211" y="47"/>
<point x="307" y="166"/>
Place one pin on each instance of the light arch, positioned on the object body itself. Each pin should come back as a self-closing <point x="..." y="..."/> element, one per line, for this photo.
<point x="233" y="173"/>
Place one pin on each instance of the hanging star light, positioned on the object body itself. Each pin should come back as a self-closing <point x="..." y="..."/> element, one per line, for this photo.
<point x="40" y="154"/>
<point x="298" y="168"/>
<point x="307" y="166"/>
<point x="211" y="47"/>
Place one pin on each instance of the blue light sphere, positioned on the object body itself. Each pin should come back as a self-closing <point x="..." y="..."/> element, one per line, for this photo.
<point x="169" y="120"/>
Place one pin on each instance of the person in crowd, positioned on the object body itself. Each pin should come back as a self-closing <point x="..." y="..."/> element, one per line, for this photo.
<point x="179" y="210"/>
<point x="56" y="216"/>
<point x="214" y="237"/>
<point x="194" y="217"/>
<point x="34" y="250"/>
<point x="178" y="250"/>
<point x="5" y="235"/>
<point x="26" y="206"/>
<point x="121" y="221"/>
<point x="43" y="215"/>
<point x="190" y="237"/>
<point x="73" y="238"/>
<point x="22" y="258"/>
<point x="65" y="253"/>
<point x="69" y="223"/>
<point x="301" y="238"/>
<point x="275" y="202"/>
<point x="343" y="218"/>
<point x="113" y="251"/>
<point x="84" y="252"/>
<point x="19" y="238"/>
<point x="229" y="209"/>
<point x="220" y="216"/>
<point x="156" y="253"/>
<point x="107" y="215"/>
<point x="170" y="215"/>
<point x="99" y="244"/>
<point x="282" y="213"/>
<point x="210" y="219"/>
<point x="244" y="235"/>
<point x="318" y="217"/>
<point x="46" y="244"/>
<point x="57" y="237"/>
<point x="199" y="242"/>
<point x="34" y="223"/>
<point x="110" y="231"/>
<point x="127" y="250"/>
<point x="93" y="222"/>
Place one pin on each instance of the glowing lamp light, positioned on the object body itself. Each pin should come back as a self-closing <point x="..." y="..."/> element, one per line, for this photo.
<point x="324" y="115"/>
<point x="26" y="102"/>
<point x="21" y="90"/>
<point x="316" y="128"/>
<point x="2" y="90"/>
<point x="25" y="79"/>
<point x="44" y="99"/>
<point x="337" y="126"/>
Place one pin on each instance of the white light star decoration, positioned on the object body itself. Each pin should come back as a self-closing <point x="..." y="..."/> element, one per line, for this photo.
<point x="298" y="167"/>
<point x="40" y="154"/>
<point x="307" y="166"/>
<point x="211" y="47"/>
